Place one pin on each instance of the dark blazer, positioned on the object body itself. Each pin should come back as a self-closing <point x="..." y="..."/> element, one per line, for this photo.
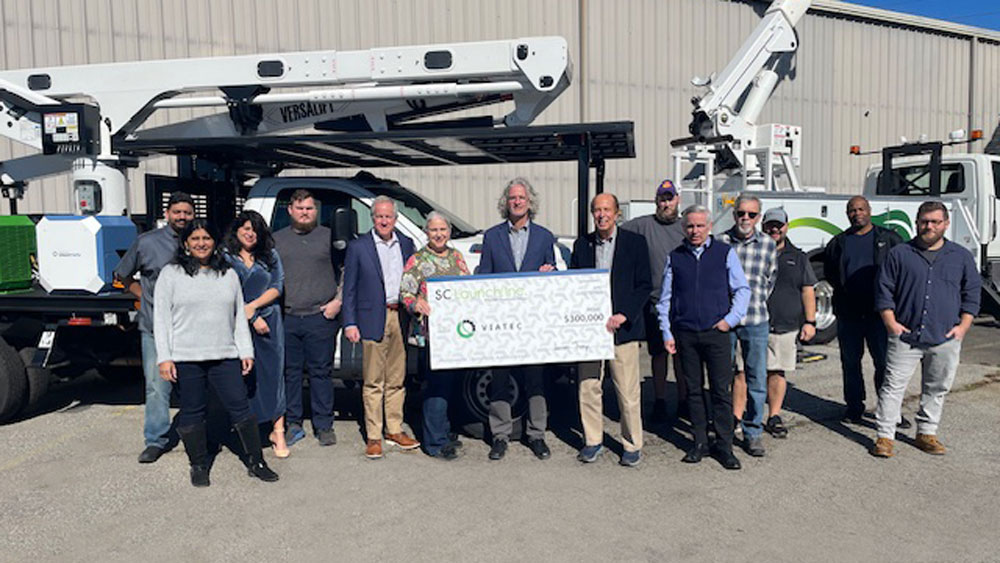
<point x="498" y="257"/>
<point x="364" y="288"/>
<point x="631" y="280"/>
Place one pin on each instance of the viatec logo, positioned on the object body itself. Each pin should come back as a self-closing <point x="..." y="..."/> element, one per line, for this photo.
<point x="466" y="328"/>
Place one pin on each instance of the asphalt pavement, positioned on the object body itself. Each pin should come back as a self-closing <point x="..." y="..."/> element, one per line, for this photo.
<point x="71" y="490"/>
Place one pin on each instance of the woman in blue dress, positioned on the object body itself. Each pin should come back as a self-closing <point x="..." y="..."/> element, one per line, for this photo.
<point x="250" y="250"/>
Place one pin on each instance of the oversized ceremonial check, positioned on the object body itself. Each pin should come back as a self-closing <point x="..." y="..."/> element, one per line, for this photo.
<point x="519" y="319"/>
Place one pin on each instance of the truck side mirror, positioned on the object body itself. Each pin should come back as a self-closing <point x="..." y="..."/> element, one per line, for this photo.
<point x="343" y="227"/>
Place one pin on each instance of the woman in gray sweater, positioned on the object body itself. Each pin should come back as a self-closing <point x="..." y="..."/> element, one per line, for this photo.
<point x="202" y="339"/>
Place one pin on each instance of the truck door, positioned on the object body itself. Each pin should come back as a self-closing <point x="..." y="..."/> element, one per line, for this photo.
<point x="993" y="246"/>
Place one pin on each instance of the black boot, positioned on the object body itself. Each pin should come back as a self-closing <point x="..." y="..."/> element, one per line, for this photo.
<point x="195" y="444"/>
<point x="250" y="437"/>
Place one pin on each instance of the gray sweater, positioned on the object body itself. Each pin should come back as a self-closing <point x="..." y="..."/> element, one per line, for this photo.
<point x="198" y="318"/>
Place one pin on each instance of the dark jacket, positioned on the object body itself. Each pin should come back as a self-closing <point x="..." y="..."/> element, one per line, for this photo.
<point x="498" y="257"/>
<point x="364" y="288"/>
<point x="833" y="260"/>
<point x="631" y="280"/>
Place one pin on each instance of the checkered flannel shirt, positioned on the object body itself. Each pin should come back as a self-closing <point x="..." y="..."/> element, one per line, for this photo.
<point x="759" y="257"/>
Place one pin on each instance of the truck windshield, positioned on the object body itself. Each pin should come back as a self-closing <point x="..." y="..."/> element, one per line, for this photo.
<point x="416" y="208"/>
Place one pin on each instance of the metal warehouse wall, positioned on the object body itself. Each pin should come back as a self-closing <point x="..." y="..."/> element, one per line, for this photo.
<point x="858" y="79"/>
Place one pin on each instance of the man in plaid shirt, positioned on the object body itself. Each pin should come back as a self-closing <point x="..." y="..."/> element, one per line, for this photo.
<point x="759" y="256"/>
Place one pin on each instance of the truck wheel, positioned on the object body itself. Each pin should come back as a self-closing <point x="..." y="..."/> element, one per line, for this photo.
<point x="826" y="321"/>
<point x="13" y="383"/>
<point x="474" y="406"/>
<point x="38" y="378"/>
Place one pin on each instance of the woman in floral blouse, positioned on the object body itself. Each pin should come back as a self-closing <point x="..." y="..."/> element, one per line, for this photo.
<point x="435" y="259"/>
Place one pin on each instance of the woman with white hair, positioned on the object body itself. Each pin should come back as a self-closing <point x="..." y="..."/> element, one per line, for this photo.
<point x="435" y="259"/>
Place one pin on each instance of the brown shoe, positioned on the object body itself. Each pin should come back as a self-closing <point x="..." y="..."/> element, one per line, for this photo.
<point x="402" y="441"/>
<point x="883" y="448"/>
<point x="929" y="443"/>
<point x="373" y="450"/>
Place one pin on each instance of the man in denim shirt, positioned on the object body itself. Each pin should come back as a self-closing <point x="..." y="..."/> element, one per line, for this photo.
<point x="927" y="295"/>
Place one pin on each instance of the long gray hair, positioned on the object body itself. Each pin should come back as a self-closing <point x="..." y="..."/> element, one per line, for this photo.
<point x="533" y="203"/>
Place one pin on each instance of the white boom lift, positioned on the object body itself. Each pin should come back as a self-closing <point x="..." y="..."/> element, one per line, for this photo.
<point x="74" y="114"/>
<point x="725" y="134"/>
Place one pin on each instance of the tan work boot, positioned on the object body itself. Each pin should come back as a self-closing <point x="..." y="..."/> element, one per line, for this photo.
<point x="882" y="448"/>
<point x="929" y="443"/>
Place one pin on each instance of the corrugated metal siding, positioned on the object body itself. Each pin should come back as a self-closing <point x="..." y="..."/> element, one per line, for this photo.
<point x="855" y="81"/>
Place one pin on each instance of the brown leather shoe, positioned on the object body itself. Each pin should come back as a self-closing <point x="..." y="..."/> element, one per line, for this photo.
<point x="883" y="448"/>
<point x="402" y="441"/>
<point x="373" y="450"/>
<point x="929" y="443"/>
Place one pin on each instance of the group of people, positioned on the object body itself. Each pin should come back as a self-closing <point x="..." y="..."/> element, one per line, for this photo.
<point x="249" y="314"/>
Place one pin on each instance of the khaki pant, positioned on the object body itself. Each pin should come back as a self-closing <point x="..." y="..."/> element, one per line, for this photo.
<point x="625" y="376"/>
<point x="384" y="372"/>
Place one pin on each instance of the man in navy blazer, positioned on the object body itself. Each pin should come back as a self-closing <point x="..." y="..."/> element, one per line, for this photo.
<point x="373" y="269"/>
<point x="518" y="245"/>
<point x="626" y="255"/>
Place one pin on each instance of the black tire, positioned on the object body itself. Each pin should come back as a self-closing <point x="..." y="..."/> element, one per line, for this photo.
<point x="13" y="382"/>
<point x="38" y="378"/>
<point x="472" y="412"/>
<point x="826" y="321"/>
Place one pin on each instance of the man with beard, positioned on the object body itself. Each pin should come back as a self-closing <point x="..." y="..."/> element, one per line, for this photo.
<point x="663" y="233"/>
<point x="928" y="294"/>
<point x="311" y="306"/>
<point x="758" y="257"/>
<point x="851" y="263"/>
<point x="791" y="309"/>
<point x="148" y="255"/>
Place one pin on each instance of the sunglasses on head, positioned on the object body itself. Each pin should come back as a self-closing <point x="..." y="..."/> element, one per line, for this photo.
<point x="750" y="214"/>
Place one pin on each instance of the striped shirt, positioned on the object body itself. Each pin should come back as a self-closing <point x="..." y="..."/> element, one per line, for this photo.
<point x="759" y="257"/>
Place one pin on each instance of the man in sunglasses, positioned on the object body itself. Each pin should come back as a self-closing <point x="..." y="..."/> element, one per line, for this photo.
<point x="851" y="263"/>
<point x="758" y="256"/>
<point x="663" y="233"/>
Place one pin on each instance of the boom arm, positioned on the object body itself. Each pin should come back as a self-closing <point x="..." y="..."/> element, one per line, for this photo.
<point x="373" y="84"/>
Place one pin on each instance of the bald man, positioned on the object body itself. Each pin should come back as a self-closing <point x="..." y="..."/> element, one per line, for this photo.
<point x="851" y="263"/>
<point x="624" y="253"/>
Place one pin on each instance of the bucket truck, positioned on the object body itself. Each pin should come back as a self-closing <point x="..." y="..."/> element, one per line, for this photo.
<point x="729" y="152"/>
<point x="371" y="108"/>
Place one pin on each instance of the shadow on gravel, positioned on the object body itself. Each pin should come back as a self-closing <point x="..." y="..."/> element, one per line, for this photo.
<point x="826" y="413"/>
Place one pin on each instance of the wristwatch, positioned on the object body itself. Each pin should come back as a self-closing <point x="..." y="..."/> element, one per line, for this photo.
<point x="810" y="323"/>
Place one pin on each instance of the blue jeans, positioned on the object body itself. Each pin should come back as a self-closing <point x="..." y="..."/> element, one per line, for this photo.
<point x="753" y="343"/>
<point x="439" y="390"/>
<point x="853" y="334"/>
<point x="157" y="423"/>
<point x="310" y="343"/>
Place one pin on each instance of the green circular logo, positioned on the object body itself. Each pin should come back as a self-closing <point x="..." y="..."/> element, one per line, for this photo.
<point x="466" y="328"/>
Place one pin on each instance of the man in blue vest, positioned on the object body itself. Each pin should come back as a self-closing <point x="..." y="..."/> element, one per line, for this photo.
<point x="705" y="294"/>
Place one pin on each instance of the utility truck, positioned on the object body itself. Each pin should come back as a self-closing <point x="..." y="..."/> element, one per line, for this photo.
<point x="393" y="107"/>
<point x="728" y="153"/>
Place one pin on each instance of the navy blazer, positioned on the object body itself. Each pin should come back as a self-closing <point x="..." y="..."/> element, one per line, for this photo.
<point x="364" y="288"/>
<point x="498" y="256"/>
<point x="631" y="280"/>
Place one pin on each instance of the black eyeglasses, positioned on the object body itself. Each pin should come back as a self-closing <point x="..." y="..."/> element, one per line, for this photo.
<point x="750" y="214"/>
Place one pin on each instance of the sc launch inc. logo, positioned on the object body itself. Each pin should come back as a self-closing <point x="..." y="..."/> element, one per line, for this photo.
<point x="466" y="328"/>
